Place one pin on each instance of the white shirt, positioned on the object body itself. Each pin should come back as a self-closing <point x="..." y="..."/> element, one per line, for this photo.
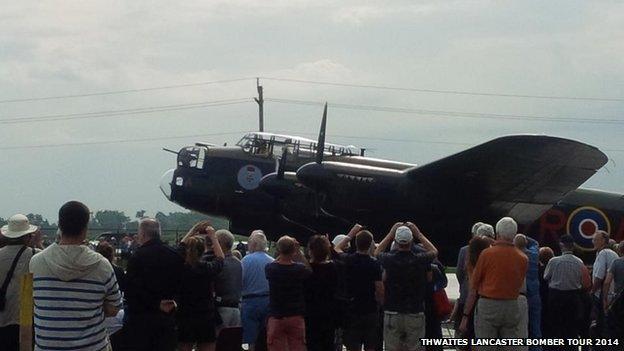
<point x="603" y="262"/>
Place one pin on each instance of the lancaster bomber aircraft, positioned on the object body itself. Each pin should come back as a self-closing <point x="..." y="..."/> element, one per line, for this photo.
<point x="290" y="185"/>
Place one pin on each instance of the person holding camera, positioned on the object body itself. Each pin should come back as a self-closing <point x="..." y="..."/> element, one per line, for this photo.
<point x="364" y="290"/>
<point x="196" y="311"/>
<point x="406" y="277"/>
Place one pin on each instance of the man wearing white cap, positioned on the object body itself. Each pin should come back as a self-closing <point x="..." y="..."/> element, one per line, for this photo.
<point x="405" y="281"/>
<point x="14" y="260"/>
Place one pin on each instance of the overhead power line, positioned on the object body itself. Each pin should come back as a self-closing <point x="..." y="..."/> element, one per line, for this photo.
<point x="116" y="92"/>
<point x="118" y="141"/>
<point x="452" y="92"/>
<point x="453" y="114"/>
<point x="124" y="112"/>
<point x="303" y="81"/>
<point x="394" y="140"/>
<point x="355" y="137"/>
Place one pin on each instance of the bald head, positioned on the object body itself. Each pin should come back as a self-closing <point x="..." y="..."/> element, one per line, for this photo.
<point x="257" y="241"/>
<point x="600" y="239"/>
<point x="149" y="229"/>
<point x="545" y="254"/>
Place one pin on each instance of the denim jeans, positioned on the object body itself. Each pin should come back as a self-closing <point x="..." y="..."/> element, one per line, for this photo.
<point x="254" y="312"/>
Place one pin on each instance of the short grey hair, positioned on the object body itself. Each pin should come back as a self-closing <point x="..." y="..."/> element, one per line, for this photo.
<point x="475" y="228"/>
<point x="257" y="241"/>
<point x="486" y="230"/>
<point x="506" y="228"/>
<point x="225" y="238"/>
<point x="150" y="228"/>
<point x="520" y="241"/>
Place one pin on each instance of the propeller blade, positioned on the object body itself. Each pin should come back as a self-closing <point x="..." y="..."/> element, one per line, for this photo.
<point x="281" y="168"/>
<point x="320" y="146"/>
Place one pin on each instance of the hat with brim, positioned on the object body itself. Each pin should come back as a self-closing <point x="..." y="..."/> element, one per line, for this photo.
<point x="18" y="226"/>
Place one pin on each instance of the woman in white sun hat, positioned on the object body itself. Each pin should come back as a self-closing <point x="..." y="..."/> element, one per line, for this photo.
<point x="14" y="256"/>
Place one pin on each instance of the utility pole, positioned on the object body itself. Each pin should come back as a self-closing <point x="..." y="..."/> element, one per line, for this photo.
<point x="260" y="102"/>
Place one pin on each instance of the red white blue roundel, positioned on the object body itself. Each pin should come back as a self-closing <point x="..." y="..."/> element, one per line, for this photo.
<point x="249" y="177"/>
<point x="584" y="222"/>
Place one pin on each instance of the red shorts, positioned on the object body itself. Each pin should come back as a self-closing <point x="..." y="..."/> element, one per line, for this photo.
<point x="287" y="333"/>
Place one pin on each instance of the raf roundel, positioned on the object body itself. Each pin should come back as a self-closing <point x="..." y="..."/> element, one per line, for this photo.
<point x="249" y="177"/>
<point x="584" y="222"/>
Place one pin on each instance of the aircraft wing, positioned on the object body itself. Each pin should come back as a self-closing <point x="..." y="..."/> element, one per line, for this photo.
<point x="525" y="174"/>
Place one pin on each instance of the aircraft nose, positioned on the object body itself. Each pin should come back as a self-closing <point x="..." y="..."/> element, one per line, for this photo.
<point x="165" y="183"/>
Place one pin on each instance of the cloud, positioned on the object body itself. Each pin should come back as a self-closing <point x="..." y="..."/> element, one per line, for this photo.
<point x="358" y="14"/>
<point x="321" y="69"/>
<point x="58" y="48"/>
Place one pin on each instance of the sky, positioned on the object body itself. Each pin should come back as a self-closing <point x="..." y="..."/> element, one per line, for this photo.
<point x="51" y="49"/>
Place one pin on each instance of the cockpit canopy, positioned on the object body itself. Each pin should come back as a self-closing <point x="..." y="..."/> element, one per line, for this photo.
<point x="269" y="144"/>
<point x="192" y="157"/>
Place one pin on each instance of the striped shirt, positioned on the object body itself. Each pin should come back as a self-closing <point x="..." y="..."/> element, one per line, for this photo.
<point x="68" y="314"/>
<point x="564" y="272"/>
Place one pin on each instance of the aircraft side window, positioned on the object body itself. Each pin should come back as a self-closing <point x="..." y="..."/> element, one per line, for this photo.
<point x="193" y="157"/>
<point x="201" y="157"/>
<point x="247" y="145"/>
<point x="262" y="149"/>
<point x="278" y="149"/>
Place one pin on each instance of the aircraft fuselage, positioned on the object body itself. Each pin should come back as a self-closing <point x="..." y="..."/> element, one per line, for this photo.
<point x="225" y="182"/>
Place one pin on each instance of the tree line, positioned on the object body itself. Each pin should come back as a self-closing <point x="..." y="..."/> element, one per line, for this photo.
<point x="113" y="220"/>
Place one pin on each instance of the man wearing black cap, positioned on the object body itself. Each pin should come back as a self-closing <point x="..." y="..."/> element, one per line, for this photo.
<point x="567" y="276"/>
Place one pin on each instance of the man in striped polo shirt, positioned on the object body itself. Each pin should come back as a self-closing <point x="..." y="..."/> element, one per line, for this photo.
<point x="74" y="289"/>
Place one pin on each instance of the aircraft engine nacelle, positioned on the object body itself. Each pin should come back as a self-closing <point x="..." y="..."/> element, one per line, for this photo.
<point x="315" y="176"/>
<point x="278" y="186"/>
<point x="348" y="187"/>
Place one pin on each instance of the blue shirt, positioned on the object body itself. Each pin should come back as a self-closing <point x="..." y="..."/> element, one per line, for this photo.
<point x="532" y="275"/>
<point x="462" y="274"/>
<point x="254" y="278"/>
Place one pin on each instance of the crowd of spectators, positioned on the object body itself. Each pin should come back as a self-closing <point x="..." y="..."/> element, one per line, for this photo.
<point x="512" y="288"/>
<point x="349" y="292"/>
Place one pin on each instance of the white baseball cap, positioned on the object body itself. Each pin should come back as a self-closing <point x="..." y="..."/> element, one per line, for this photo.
<point x="403" y="235"/>
<point x="338" y="239"/>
